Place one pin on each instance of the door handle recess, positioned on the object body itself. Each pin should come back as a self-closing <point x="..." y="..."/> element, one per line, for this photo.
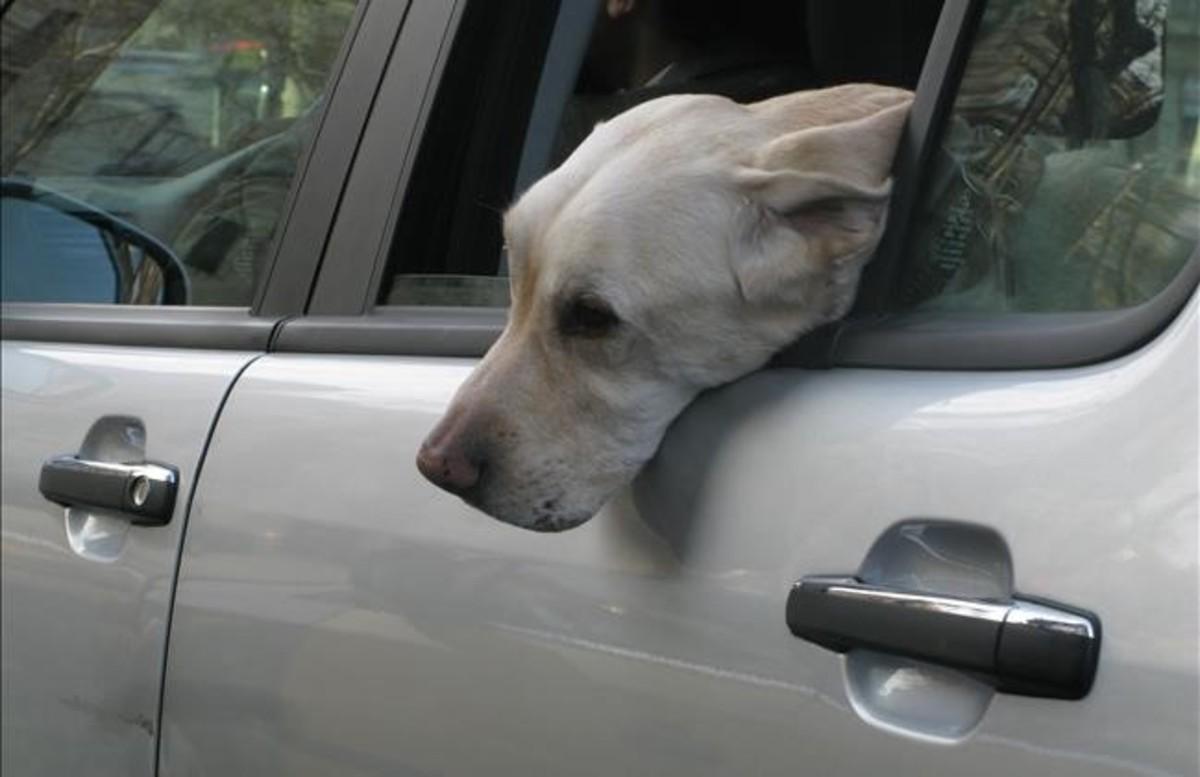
<point x="145" y="492"/>
<point x="1025" y="646"/>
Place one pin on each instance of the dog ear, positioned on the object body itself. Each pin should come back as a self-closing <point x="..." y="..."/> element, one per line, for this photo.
<point x="819" y="198"/>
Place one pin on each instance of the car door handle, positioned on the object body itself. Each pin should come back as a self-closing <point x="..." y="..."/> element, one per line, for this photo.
<point x="145" y="492"/>
<point x="1025" y="646"/>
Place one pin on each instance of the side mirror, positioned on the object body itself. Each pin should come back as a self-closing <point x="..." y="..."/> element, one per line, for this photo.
<point x="55" y="248"/>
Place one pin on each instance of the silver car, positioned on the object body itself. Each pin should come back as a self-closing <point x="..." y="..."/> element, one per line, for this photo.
<point x="251" y="250"/>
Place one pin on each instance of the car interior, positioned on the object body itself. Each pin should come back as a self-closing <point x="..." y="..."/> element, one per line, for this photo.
<point x="493" y="138"/>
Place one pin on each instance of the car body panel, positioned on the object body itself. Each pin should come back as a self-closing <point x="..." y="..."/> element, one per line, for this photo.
<point x="86" y="595"/>
<point x="337" y="613"/>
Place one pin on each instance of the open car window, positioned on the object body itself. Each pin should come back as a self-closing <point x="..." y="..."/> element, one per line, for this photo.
<point x="523" y="86"/>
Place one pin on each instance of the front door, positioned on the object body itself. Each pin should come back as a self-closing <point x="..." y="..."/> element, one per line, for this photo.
<point x="1010" y="416"/>
<point x="148" y="151"/>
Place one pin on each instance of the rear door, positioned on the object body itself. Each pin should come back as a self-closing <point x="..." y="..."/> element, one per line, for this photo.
<point x="158" y="164"/>
<point x="1010" y="414"/>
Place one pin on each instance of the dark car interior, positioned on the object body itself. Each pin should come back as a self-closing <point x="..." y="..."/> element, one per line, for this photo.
<point x="633" y="51"/>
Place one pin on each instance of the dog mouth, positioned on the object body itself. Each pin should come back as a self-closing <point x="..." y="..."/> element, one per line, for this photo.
<point x="553" y="524"/>
<point x="545" y="517"/>
<point x="545" y="513"/>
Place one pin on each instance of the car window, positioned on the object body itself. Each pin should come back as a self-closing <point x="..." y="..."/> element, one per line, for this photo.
<point x="522" y="88"/>
<point x="148" y="146"/>
<point x="1069" y="172"/>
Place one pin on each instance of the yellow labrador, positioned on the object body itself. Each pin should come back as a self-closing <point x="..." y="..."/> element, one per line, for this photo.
<point x="680" y="246"/>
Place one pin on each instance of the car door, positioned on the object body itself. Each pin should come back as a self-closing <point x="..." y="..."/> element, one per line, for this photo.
<point x="150" y="151"/>
<point x="1003" y="432"/>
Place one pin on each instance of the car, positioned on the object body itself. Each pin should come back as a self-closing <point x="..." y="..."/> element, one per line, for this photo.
<point x="954" y="533"/>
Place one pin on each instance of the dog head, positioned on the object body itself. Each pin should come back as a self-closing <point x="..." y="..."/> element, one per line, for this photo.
<point x="680" y="246"/>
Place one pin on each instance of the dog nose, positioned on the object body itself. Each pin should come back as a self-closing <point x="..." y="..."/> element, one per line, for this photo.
<point x="448" y="467"/>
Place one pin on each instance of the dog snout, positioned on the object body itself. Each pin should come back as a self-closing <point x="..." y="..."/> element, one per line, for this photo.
<point x="453" y="456"/>
<point x="449" y="466"/>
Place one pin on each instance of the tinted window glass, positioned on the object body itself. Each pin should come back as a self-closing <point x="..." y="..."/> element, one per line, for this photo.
<point x="1069" y="177"/>
<point x="172" y="128"/>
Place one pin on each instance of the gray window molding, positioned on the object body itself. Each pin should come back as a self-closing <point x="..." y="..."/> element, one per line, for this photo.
<point x="398" y="331"/>
<point x="162" y="326"/>
<point x="1008" y="341"/>
<point x="928" y="341"/>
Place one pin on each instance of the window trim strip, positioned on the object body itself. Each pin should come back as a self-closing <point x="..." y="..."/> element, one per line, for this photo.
<point x="409" y="331"/>
<point x="136" y="325"/>
<point x="925" y="341"/>
<point x="1007" y="341"/>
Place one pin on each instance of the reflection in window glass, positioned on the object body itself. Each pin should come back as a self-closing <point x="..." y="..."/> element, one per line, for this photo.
<point x="184" y="119"/>
<point x="1069" y="177"/>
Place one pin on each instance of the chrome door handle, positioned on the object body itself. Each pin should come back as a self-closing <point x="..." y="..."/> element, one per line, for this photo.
<point x="145" y="492"/>
<point x="1023" y="646"/>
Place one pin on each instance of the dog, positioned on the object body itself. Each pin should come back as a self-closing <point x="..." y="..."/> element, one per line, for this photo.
<point x="679" y="247"/>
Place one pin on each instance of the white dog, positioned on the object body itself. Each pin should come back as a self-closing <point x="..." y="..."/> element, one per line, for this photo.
<point x="680" y="246"/>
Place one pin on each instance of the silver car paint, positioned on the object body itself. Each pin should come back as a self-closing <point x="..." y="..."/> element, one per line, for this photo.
<point x="338" y="615"/>
<point x="85" y="597"/>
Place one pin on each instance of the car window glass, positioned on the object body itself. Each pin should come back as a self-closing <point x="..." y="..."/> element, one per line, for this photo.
<point x="1069" y="172"/>
<point x="522" y="88"/>
<point x="146" y="138"/>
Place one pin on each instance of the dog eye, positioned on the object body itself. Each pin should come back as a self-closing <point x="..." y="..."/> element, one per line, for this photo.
<point x="587" y="316"/>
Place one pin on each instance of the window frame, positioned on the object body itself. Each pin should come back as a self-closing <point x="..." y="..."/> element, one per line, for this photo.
<point x="309" y="213"/>
<point x="361" y="243"/>
<point x="344" y="318"/>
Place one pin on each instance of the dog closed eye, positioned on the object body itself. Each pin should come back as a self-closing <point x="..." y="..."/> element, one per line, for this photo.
<point x="587" y="315"/>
